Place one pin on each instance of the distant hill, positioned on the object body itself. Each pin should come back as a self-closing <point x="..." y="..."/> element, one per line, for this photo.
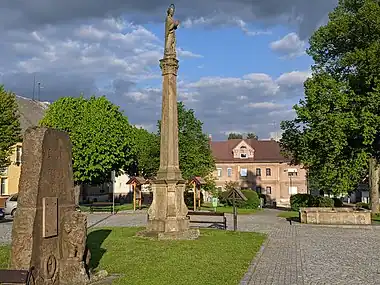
<point x="31" y="111"/>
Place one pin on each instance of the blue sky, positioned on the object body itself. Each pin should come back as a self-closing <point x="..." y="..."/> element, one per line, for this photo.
<point x="242" y="64"/>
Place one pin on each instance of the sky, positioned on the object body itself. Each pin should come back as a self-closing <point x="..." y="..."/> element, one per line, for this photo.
<point x="242" y="62"/>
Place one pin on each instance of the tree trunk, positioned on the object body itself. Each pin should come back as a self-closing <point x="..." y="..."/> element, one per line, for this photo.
<point x="374" y="171"/>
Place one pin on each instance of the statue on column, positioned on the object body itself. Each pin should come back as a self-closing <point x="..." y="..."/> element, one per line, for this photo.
<point x="170" y="27"/>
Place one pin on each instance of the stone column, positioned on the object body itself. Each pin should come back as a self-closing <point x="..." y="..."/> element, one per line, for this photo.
<point x="168" y="212"/>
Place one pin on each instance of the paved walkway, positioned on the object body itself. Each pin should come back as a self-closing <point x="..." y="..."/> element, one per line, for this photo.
<point x="293" y="255"/>
<point x="307" y="255"/>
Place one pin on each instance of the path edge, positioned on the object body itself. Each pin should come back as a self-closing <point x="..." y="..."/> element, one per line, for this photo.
<point x="252" y="267"/>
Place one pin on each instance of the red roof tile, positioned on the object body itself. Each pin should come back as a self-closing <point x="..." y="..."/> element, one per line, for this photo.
<point x="265" y="151"/>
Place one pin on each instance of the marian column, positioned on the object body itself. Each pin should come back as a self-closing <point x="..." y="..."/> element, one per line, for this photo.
<point x="168" y="212"/>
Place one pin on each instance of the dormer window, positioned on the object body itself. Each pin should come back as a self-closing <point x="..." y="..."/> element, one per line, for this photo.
<point x="243" y="152"/>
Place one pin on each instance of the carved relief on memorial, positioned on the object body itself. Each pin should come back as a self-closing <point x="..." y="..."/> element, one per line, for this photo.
<point x="74" y="236"/>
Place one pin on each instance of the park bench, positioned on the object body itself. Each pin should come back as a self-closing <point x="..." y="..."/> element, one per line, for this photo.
<point x="211" y="214"/>
<point x="16" y="276"/>
<point x="101" y="207"/>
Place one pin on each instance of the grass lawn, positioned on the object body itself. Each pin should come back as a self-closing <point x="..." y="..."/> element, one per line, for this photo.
<point x="217" y="257"/>
<point x="227" y="209"/>
<point x="376" y="218"/>
<point x="4" y="255"/>
<point x="288" y="214"/>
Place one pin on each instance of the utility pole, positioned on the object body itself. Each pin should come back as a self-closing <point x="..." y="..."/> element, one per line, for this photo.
<point x="34" y="86"/>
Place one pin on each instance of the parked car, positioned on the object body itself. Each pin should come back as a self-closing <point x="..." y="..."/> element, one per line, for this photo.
<point x="2" y="214"/>
<point x="11" y="205"/>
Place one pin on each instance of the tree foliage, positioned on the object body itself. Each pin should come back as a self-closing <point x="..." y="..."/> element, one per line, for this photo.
<point x="252" y="136"/>
<point x="336" y="128"/>
<point x="10" y="132"/>
<point x="148" y="153"/>
<point x="232" y="136"/>
<point x="101" y="136"/>
<point x="195" y="157"/>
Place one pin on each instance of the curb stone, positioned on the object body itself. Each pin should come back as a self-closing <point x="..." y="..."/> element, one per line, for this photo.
<point x="252" y="267"/>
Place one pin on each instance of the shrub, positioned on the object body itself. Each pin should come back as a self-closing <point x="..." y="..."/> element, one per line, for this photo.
<point x="189" y="198"/>
<point x="298" y="201"/>
<point x="338" y="202"/>
<point x="362" y="205"/>
<point x="253" y="200"/>
<point x="321" y="201"/>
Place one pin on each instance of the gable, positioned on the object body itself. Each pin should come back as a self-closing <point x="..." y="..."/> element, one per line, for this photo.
<point x="243" y="151"/>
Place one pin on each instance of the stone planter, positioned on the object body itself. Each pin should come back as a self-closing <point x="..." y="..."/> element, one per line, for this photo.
<point x="335" y="216"/>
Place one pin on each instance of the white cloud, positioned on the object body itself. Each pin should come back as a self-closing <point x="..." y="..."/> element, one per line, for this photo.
<point x="289" y="46"/>
<point x="223" y="20"/>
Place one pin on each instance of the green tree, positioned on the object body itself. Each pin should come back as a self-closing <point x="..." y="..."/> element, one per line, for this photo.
<point x="252" y="136"/>
<point x="102" y="139"/>
<point x="195" y="157"/>
<point x="343" y="94"/>
<point x="10" y="132"/>
<point x="148" y="153"/>
<point x="232" y="136"/>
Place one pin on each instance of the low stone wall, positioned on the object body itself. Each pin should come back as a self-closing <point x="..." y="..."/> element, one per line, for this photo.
<point x="335" y="216"/>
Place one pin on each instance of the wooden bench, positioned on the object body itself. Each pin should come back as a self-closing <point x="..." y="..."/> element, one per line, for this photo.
<point x="211" y="214"/>
<point x="11" y="276"/>
<point x="101" y="207"/>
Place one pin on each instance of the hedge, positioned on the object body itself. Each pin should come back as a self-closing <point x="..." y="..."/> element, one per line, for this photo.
<point x="253" y="200"/>
<point x="298" y="201"/>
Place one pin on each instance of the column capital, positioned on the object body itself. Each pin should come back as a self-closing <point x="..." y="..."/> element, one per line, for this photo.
<point x="169" y="65"/>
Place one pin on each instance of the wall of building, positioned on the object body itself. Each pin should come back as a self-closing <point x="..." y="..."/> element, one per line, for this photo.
<point x="11" y="175"/>
<point x="279" y="180"/>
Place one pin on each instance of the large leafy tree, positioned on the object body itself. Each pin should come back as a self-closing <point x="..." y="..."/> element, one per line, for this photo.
<point x="232" y="136"/>
<point x="10" y="132"/>
<point x="102" y="139"/>
<point x="148" y="153"/>
<point x="195" y="157"/>
<point x="252" y="136"/>
<point x="336" y="132"/>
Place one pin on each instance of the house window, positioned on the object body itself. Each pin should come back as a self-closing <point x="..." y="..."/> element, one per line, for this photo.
<point x="258" y="171"/>
<point x="18" y="154"/>
<point x="258" y="189"/>
<point x="268" y="172"/>
<point x="3" y="186"/>
<point x="293" y="190"/>
<point x="229" y="172"/>
<point x="219" y="172"/>
<point x="268" y="190"/>
<point x="292" y="172"/>
<point x="243" y="172"/>
<point x="243" y="152"/>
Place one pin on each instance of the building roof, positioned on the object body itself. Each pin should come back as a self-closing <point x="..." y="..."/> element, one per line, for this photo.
<point x="265" y="151"/>
<point x="31" y="112"/>
<point x="138" y="180"/>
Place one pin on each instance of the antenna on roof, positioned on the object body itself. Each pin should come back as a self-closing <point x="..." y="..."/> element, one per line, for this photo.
<point x="34" y="86"/>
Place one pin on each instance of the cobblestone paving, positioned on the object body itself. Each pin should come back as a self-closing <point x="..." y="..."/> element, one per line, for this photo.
<point x="293" y="255"/>
<point x="310" y="255"/>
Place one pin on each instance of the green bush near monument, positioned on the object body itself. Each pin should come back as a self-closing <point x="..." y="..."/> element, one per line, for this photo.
<point x="217" y="257"/>
<point x="298" y="201"/>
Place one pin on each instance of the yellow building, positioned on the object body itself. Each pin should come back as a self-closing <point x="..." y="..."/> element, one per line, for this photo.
<point x="31" y="112"/>
<point x="10" y="176"/>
